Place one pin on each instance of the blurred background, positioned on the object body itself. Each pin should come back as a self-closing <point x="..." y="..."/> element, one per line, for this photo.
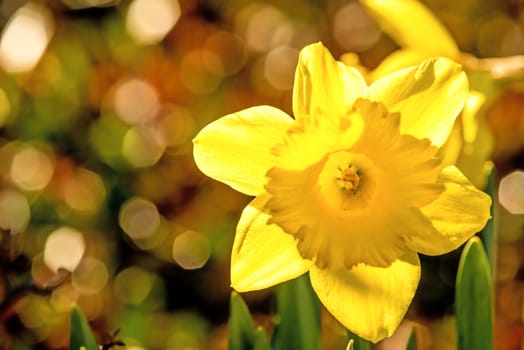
<point x="99" y="101"/>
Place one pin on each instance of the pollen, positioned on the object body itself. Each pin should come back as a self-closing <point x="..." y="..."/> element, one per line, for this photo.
<point x="349" y="179"/>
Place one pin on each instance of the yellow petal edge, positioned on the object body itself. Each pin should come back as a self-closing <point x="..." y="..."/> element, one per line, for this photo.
<point x="235" y="149"/>
<point x="370" y="301"/>
<point x="263" y="255"/>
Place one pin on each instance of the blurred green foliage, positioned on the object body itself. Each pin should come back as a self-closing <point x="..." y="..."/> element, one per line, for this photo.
<point x="473" y="300"/>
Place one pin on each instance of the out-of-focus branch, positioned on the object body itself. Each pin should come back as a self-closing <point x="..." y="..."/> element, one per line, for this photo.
<point x="499" y="68"/>
<point x="14" y="294"/>
<point x="12" y="262"/>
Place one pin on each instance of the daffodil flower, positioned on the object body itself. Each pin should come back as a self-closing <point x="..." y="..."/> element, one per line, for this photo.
<point x="420" y="36"/>
<point x="350" y="190"/>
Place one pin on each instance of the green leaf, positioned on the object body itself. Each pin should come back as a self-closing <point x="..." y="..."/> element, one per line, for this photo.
<point x="81" y="335"/>
<point x="242" y="331"/>
<point x="358" y="343"/>
<point x="261" y="341"/>
<point x="298" y="308"/>
<point x="473" y="299"/>
<point x="488" y="234"/>
<point x="412" y="341"/>
<point x="350" y="345"/>
<point x="411" y="25"/>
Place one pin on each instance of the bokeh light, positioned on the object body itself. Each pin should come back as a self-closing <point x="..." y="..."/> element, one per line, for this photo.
<point x="81" y="4"/>
<point x="176" y="123"/>
<point x="353" y="29"/>
<point x="35" y="312"/>
<point x="279" y="68"/>
<point x="264" y="27"/>
<point x="25" y="38"/>
<point x="148" y="21"/>
<point x="508" y="262"/>
<point x="229" y="48"/>
<point x="90" y="276"/>
<point x="84" y="191"/>
<point x="511" y="192"/>
<point x="139" y="218"/>
<point x="64" y="297"/>
<point x="14" y="211"/>
<point x="133" y="285"/>
<point x="201" y="71"/>
<point x="191" y="250"/>
<point x="143" y="145"/>
<point x="106" y="136"/>
<point x="64" y="248"/>
<point x="500" y="36"/>
<point x="31" y="169"/>
<point x="135" y="101"/>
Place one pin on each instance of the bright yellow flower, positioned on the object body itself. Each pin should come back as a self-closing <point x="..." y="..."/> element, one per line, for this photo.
<point x="415" y="29"/>
<point x="421" y="36"/>
<point x="350" y="190"/>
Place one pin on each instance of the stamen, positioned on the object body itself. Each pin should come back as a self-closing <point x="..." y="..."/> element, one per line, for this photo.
<point x="349" y="179"/>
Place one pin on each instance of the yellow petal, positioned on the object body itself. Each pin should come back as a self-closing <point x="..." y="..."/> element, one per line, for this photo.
<point x="321" y="83"/>
<point x="263" y="255"/>
<point x="397" y="60"/>
<point x="369" y="301"/>
<point x="429" y="97"/>
<point x="477" y="142"/>
<point x="308" y="140"/>
<point x="470" y="115"/>
<point x="353" y="205"/>
<point x="235" y="149"/>
<point x="412" y="25"/>
<point x="473" y="158"/>
<point x="458" y="213"/>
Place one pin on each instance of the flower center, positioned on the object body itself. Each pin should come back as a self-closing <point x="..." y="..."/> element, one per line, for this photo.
<point x="348" y="179"/>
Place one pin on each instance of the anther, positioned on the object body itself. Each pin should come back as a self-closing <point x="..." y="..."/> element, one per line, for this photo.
<point x="349" y="179"/>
